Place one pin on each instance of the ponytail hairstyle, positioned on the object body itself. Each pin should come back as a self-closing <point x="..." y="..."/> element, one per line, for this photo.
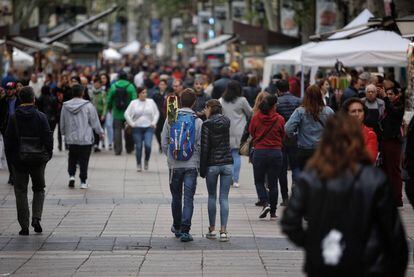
<point x="268" y="103"/>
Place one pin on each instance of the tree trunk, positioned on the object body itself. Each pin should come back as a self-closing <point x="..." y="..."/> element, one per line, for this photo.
<point x="166" y="37"/>
<point x="404" y="7"/>
<point x="249" y="11"/>
<point x="271" y="19"/>
<point x="22" y="10"/>
<point x="308" y="22"/>
<point x="376" y="7"/>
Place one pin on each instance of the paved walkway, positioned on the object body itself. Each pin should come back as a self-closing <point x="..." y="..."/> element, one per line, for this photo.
<point x="120" y="226"/>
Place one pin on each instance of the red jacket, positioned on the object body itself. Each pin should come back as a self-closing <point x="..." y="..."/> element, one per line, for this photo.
<point x="371" y="142"/>
<point x="260" y="124"/>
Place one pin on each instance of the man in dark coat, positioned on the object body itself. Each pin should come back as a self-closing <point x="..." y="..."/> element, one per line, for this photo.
<point x="28" y="122"/>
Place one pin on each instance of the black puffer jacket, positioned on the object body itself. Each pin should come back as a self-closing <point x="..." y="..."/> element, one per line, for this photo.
<point x="373" y="242"/>
<point x="215" y="143"/>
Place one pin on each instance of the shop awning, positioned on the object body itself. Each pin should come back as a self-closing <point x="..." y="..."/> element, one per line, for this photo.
<point x="220" y="40"/>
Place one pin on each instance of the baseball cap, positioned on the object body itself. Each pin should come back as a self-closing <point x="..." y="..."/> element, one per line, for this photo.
<point x="10" y="85"/>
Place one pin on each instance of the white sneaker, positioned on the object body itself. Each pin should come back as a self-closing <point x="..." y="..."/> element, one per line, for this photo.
<point x="211" y="234"/>
<point x="224" y="237"/>
<point x="83" y="185"/>
<point x="236" y="185"/>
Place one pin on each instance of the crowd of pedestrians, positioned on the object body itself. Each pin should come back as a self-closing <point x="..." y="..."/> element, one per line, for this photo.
<point x="344" y="149"/>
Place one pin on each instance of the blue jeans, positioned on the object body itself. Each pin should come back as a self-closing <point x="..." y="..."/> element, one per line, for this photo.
<point x="182" y="215"/>
<point x="267" y="162"/>
<point x="236" y="164"/>
<point x="141" y="135"/>
<point x="213" y="172"/>
<point x="289" y="158"/>
<point x="109" y="128"/>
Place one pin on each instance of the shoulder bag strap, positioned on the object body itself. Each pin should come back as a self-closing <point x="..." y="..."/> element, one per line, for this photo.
<point x="266" y="133"/>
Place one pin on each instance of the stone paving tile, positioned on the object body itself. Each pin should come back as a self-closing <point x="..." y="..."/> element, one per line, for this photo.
<point x="120" y="226"/>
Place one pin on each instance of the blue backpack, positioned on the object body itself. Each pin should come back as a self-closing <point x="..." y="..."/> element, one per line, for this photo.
<point x="182" y="137"/>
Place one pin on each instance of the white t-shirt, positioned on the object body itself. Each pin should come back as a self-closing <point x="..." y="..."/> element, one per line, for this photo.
<point x="142" y="113"/>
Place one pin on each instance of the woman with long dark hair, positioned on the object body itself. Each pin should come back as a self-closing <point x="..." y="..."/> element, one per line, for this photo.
<point x="353" y="226"/>
<point x="216" y="161"/>
<point x="266" y="129"/>
<point x="308" y="122"/>
<point x="238" y="110"/>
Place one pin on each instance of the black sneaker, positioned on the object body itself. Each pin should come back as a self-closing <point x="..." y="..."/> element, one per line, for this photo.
<point x="24" y="232"/>
<point x="71" y="182"/>
<point x="264" y="212"/>
<point x="36" y="225"/>
<point x="260" y="203"/>
<point x="273" y="216"/>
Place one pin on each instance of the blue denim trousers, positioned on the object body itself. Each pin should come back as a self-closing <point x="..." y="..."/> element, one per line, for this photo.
<point x="289" y="158"/>
<point x="213" y="172"/>
<point x="142" y="135"/>
<point x="179" y="178"/>
<point x="267" y="162"/>
<point x="236" y="164"/>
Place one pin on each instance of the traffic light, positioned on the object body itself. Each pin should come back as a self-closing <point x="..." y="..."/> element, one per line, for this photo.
<point x="180" y="46"/>
<point x="194" y="40"/>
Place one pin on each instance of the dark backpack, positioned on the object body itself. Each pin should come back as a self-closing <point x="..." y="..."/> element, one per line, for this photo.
<point x="32" y="150"/>
<point x="121" y="97"/>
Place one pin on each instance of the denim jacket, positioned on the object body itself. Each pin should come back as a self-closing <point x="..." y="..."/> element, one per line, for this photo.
<point x="307" y="129"/>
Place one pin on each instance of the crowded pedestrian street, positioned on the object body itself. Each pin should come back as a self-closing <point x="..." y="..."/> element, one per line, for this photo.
<point x="207" y="138"/>
<point x="121" y="225"/>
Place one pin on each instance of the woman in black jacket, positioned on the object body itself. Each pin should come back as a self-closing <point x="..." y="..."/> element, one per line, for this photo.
<point x="48" y="104"/>
<point x="354" y="228"/>
<point x="216" y="160"/>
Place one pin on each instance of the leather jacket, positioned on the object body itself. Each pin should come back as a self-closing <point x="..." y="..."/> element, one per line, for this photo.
<point x="215" y="143"/>
<point x="363" y="209"/>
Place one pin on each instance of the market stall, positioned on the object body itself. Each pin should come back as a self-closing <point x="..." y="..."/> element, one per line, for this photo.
<point x="294" y="56"/>
<point x="377" y="48"/>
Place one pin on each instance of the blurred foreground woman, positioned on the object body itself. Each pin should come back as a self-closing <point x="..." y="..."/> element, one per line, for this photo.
<point x="353" y="227"/>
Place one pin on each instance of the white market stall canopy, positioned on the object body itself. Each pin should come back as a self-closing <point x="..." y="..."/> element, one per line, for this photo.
<point x="21" y="58"/>
<point x="131" y="48"/>
<point x="291" y="56"/>
<point x="329" y="51"/>
<point x="111" y="54"/>
<point x="378" y="48"/>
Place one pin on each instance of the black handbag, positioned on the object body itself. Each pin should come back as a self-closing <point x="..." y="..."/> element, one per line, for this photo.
<point x="32" y="150"/>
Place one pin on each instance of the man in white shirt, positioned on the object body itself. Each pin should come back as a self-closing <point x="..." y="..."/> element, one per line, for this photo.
<point x="36" y="85"/>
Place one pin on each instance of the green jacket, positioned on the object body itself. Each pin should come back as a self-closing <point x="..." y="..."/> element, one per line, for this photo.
<point x="98" y="98"/>
<point x="110" y="99"/>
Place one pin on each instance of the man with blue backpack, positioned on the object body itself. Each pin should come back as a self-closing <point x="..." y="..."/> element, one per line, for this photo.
<point x="181" y="141"/>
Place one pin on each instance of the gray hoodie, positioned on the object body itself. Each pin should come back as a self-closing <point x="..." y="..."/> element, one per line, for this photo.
<point x="194" y="161"/>
<point x="78" y="119"/>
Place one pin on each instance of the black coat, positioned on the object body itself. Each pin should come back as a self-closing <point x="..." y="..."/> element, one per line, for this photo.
<point x="215" y="143"/>
<point x="409" y="162"/>
<point x="374" y="241"/>
<point x="31" y="123"/>
<point x="48" y="104"/>
<point x="391" y="124"/>
<point x="251" y="93"/>
<point x="4" y="113"/>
